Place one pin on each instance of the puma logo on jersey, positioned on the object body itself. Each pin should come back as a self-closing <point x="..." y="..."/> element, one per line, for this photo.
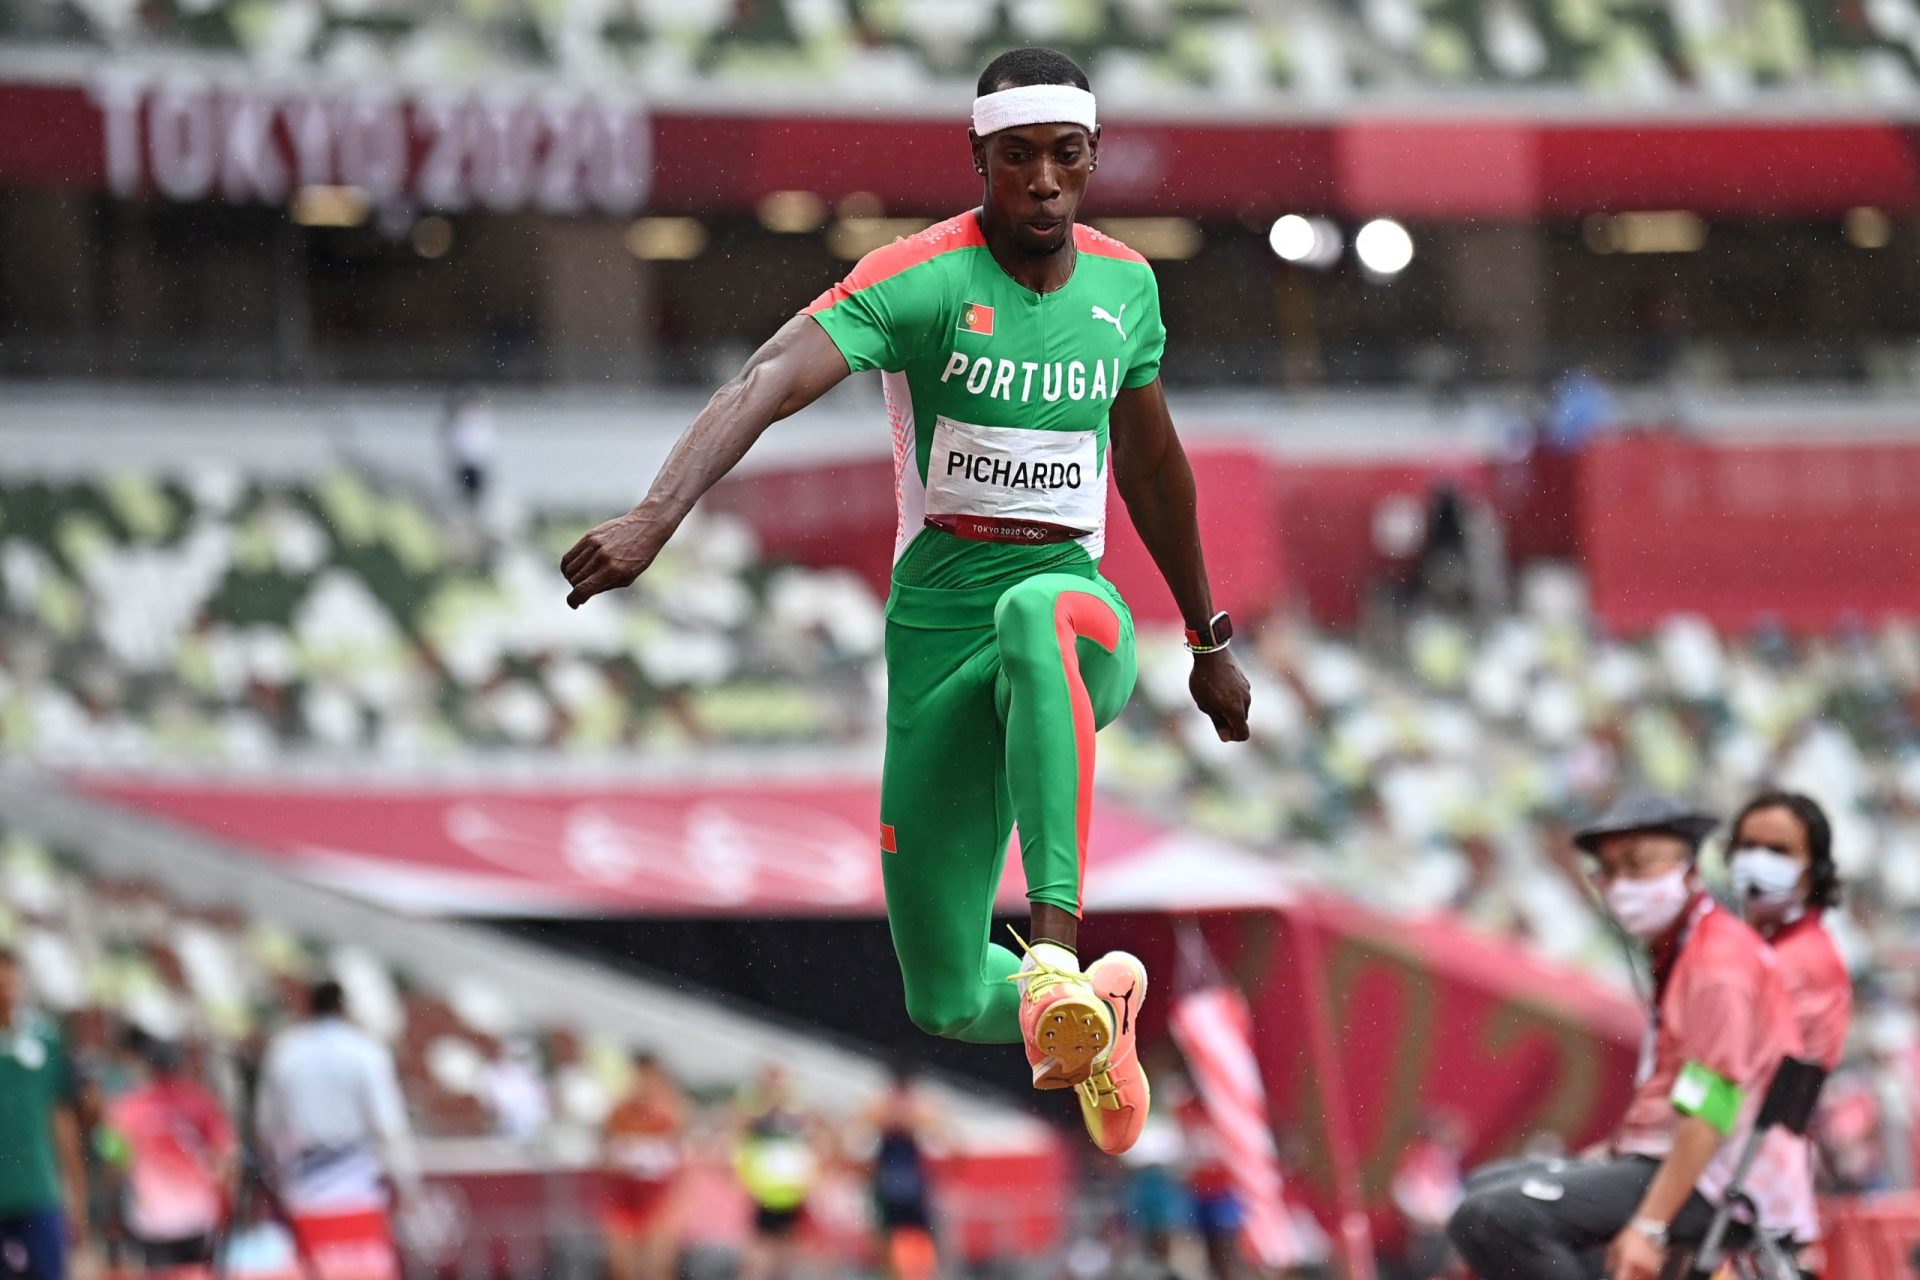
<point x="1101" y="313"/>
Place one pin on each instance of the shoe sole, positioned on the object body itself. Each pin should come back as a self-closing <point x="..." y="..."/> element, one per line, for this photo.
<point x="1070" y="1036"/>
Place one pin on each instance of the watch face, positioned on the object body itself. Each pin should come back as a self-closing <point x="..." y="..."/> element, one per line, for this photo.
<point x="1222" y="627"/>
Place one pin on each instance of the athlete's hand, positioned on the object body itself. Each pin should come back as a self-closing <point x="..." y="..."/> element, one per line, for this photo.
<point x="611" y="556"/>
<point x="1632" y="1256"/>
<point x="1220" y="690"/>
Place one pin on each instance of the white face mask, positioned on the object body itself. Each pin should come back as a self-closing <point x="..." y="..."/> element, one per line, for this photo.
<point x="1765" y="879"/>
<point x="1647" y="908"/>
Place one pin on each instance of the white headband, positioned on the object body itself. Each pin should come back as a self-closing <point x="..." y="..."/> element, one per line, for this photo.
<point x="1033" y="104"/>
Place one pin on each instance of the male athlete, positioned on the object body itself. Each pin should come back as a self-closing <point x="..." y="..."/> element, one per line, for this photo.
<point x="1019" y="352"/>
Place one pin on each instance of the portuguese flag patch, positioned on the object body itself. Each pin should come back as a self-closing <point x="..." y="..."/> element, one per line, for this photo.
<point x="975" y="318"/>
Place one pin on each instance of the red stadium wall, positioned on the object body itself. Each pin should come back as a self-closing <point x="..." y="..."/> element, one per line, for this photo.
<point x="1807" y="535"/>
<point x="508" y="153"/>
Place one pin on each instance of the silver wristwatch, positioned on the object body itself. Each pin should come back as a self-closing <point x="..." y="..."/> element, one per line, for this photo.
<point x="1652" y="1228"/>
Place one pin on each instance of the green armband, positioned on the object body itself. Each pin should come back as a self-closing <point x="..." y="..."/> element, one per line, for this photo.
<point x="1706" y="1095"/>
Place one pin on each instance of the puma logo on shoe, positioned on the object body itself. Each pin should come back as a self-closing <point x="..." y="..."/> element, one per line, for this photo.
<point x="1101" y="313"/>
<point x="1126" y="1006"/>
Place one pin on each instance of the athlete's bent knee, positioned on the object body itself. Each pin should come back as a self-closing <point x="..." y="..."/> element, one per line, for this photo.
<point x="1024" y="611"/>
<point x="945" y="1017"/>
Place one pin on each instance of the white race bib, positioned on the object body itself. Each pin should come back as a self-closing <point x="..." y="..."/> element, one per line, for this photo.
<point x="1015" y="484"/>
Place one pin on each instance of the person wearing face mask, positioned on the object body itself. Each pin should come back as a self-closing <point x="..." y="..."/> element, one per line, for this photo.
<point x="1720" y="1022"/>
<point x="1784" y="879"/>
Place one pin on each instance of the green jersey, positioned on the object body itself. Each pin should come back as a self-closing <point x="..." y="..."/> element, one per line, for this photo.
<point x="997" y="395"/>
<point x="35" y="1081"/>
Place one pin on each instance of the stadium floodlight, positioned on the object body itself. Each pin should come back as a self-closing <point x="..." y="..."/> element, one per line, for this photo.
<point x="792" y="212"/>
<point x="1650" y="231"/>
<point x="1307" y="242"/>
<point x="1173" y="238"/>
<point x="1384" y="247"/>
<point x="851" y="239"/>
<point x="1868" y="228"/>
<point x="666" y="239"/>
<point x="1292" y="237"/>
<point x="330" y="206"/>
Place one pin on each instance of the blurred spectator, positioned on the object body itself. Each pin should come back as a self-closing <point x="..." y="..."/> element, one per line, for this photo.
<point x="1427" y="1187"/>
<point x="1218" y="1215"/>
<point x="516" y="1092"/>
<point x="1660" y="316"/>
<point x="1893" y="1047"/>
<point x="468" y="437"/>
<point x="1580" y="408"/>
<point x="334" y="1125"/>
<point x="902" y="1184"/>
<point x="43" y="1195"/>
<point x="175" y="1153"/>
<point x="1462" y="562"/>
<point x="777" y="1157"/>
<point x="1157" y="1206"/>
<point x="643" y="1147"/>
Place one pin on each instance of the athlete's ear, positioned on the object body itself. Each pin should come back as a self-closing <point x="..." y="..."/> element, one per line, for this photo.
<point x="979" y="146"/>
<point x="1093" y="149"/>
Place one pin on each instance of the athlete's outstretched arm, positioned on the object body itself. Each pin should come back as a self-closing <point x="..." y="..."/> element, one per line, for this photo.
<point x="1156" y="483"/>
<point x="795" y="367"/>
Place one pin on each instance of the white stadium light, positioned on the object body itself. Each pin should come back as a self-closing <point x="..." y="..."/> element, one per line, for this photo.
<point x="1384" y="247"/>
<point x="1308" y="242"/>
<point x="1292" y="237"/>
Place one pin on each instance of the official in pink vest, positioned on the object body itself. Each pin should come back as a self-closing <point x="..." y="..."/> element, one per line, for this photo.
<point x="1720" y="1022"/>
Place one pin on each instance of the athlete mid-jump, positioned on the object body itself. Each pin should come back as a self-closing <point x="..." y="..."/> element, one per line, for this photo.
<point x="1020" y="355"/>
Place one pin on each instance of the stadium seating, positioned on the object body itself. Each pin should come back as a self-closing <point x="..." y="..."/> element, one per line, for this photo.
<point x="1638" y="50"/>
<point x="1439" y="770"/>
<point x="221" y="622"/>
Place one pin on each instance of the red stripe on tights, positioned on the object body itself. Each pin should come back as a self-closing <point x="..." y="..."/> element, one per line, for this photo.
<point x="1077" y="614"/>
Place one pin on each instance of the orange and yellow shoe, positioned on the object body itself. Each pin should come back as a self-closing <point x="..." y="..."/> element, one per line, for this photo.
<point x="1115" y="1096"/>
<point x="1065" y="1026"/>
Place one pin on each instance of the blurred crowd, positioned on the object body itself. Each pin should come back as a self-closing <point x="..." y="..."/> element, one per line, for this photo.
<point x="200" y="1075"/>
<point x="170" y="1077"/>
<point x="222" y="622"/>
<point x="1236" y="49"/>
<point x="1438" y="768"/>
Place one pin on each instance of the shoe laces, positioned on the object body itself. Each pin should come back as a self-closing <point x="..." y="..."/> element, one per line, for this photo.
<point x="1100" y="1091"/>
<point x="1042" y="976"/>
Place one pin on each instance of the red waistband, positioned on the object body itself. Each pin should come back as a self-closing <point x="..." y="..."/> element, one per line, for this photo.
<point x="1029" y="533"/>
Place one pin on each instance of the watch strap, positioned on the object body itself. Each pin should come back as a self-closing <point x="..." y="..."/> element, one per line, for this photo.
<point x="1211" y="640"/>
